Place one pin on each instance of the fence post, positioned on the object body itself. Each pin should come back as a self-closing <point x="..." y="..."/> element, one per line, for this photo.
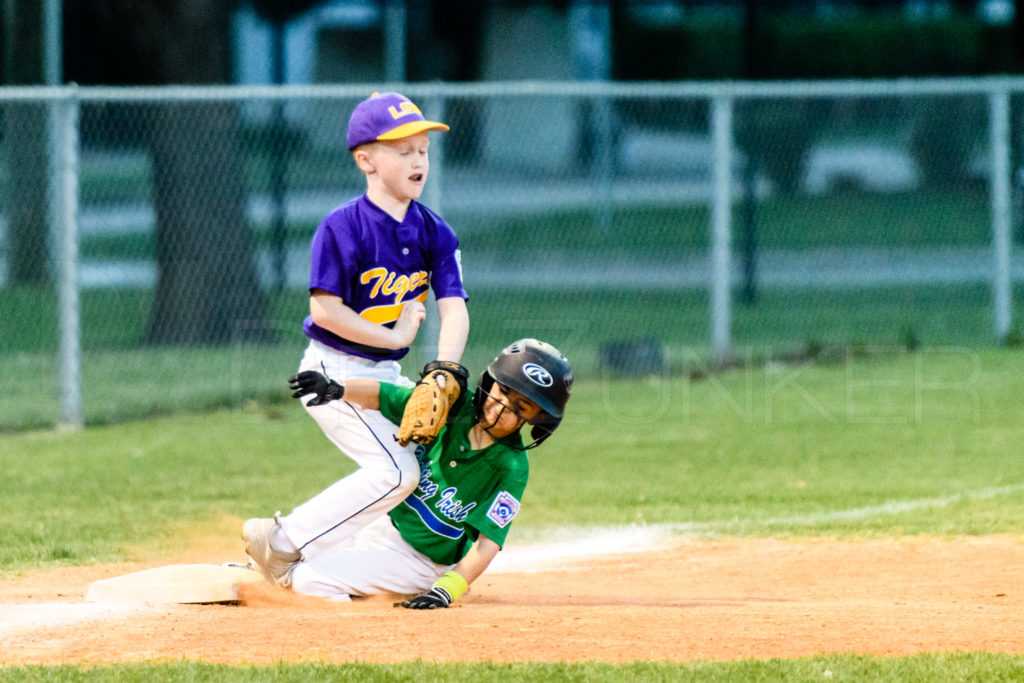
<point x="999" y="139"/>
<point x="64" y="150"/>
<point x="603" y="162"/>
<point x="395" y="29"/>
<point x="721" y="210"/>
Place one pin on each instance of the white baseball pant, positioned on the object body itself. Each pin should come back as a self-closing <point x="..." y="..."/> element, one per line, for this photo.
<point x="387" y="472"/>
<point x="375" y="560"/>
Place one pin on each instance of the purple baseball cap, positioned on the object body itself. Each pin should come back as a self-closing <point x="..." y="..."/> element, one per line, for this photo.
<point x="386" y="116"/>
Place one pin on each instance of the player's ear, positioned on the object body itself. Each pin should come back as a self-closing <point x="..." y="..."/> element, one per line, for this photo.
<point x="363" y="158"/>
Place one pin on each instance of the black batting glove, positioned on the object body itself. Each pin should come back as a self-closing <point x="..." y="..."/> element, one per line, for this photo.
<point x="432" y="599"/>
<point x="313" y="382"/>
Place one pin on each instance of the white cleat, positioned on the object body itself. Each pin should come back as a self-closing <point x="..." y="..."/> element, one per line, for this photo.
<point x="276" y="566"/>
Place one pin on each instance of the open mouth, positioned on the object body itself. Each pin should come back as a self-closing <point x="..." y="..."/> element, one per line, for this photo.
<point x="501" y="409"/>
<point x="416" y="178"/>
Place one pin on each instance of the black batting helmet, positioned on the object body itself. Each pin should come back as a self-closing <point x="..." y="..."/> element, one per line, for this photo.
<point x="539" y="372"/>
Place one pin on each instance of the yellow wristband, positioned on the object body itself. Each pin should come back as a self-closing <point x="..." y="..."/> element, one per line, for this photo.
<point x="453" y="583"/>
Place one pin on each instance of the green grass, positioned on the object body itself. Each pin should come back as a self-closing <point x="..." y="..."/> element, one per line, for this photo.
<point x="123" y="378"/>
<point x="780" y="319"/>
<point x="930" y="667"/>
<point x="786" y="450"/>
<point x="755" y="451"/>
<point x="111" y="319"/>
<point x="737" y="452"/>
<point x="919" y="219"/>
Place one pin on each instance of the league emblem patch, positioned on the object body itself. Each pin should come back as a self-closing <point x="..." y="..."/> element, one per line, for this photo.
<point x="504" y="508"/>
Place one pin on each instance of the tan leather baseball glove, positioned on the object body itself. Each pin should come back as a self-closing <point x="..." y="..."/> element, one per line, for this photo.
<point x="441" y="383"/>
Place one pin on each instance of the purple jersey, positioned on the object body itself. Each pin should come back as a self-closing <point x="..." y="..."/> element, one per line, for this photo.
<point x="376" y="264"/>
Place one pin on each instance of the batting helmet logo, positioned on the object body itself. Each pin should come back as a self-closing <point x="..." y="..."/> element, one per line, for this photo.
<point x="537" y="374"/>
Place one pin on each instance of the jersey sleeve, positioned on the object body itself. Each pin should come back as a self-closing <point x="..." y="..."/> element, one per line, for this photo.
<point x="495" y="516"/>
<point x="333" y="260"/>
<point x="392" y="400"/>
<point x="445" y="261"/>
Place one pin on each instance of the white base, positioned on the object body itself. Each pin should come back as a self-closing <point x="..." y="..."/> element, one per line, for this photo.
<point x="176" y="583"/>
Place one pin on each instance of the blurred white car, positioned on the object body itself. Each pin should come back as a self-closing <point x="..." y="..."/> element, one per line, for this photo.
<point x="684" y="157"/>
<point x="688" y="155"/>
<point x="868" y="167"/>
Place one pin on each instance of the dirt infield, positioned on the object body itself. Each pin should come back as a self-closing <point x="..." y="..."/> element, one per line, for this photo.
<point x="692" y="600"/>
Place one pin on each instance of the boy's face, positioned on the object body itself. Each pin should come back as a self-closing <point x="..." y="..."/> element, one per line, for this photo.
<point x="506" y="411"/>
<point x="398" y="168"/>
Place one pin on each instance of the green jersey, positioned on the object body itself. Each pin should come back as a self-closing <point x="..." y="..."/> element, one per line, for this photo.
<point x="462" y="493"/>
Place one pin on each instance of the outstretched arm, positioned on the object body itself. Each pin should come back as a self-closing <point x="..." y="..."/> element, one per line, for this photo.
<point x="454" y="583"/>
<point x="363" y="392"/>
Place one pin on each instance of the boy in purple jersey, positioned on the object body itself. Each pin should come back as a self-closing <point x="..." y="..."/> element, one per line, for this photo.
<point x="373" y="260"/>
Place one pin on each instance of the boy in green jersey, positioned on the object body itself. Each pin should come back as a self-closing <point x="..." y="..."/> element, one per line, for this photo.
<point x="472" y="477"/>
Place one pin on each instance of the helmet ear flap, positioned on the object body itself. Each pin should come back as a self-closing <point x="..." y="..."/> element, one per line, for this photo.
<point x="483" y="388"/>
<point x="543" y="430"/>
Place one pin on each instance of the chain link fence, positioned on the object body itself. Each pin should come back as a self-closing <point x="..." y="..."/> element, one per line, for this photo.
<point x="154" y="242"/>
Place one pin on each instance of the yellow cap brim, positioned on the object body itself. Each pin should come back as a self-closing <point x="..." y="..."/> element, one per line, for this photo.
<point x="411" y="128"/>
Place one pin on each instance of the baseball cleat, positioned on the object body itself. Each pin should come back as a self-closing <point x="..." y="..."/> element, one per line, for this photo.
<point x="276" y="566"/>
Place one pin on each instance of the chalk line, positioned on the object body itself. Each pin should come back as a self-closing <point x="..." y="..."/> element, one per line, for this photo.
<point x="27" y="616"/>
<point x="583" y="542"/>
